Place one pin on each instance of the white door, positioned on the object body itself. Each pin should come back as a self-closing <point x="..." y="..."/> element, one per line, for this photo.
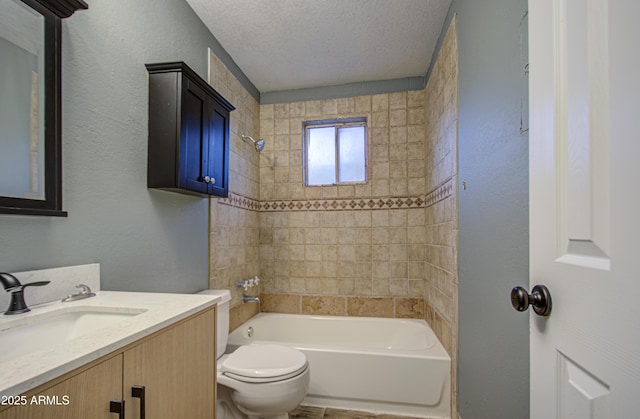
<point x="585" y="207"/>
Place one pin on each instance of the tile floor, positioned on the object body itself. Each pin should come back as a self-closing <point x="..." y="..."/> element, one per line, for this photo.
<point x="308" y="412"/>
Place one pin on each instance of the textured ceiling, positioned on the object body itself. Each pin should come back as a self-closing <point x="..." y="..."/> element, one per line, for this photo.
<point x="292" y="44"/>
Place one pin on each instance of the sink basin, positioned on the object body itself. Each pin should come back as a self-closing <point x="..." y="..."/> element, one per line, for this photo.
<point x="40" y="331"/>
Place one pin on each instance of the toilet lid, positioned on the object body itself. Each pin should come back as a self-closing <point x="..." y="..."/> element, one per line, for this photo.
<point x="264" y="362"/>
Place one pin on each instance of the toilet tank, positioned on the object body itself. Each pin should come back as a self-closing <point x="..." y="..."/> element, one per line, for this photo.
<point x="222" y="319"/>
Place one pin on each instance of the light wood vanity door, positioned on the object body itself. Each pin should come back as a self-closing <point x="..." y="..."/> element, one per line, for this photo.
<point x="84" y="395"/>
<point x="177" y="368"/>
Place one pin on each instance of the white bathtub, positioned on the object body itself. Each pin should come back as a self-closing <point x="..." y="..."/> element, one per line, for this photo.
<point x="394" y="366"/>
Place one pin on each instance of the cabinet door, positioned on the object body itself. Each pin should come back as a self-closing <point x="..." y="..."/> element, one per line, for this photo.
<point x="85" y="395"/>
<point x="194" y="137"/>
<point x="218" y="156"/>
<point x="177" y="369"/>
<point x="188" y="132"/>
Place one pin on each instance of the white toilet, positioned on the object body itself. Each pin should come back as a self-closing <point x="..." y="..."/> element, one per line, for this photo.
<point x="262" y="380"/>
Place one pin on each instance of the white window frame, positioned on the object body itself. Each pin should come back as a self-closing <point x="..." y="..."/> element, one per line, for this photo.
<point x="336" y="123"/>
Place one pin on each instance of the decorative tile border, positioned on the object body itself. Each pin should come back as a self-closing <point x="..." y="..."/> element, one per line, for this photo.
<point x="343" y="204"/>
<point x="441" y="193"/>
<point x="240" y="201"/>
<point x="323" y="204"/>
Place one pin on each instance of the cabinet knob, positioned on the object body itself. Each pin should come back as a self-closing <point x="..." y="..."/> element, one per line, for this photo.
<point x="207" y="179"/>
<point x="210" y="180"/>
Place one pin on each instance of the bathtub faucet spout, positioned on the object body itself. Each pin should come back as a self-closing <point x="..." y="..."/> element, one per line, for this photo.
<point x="250" y="299"/>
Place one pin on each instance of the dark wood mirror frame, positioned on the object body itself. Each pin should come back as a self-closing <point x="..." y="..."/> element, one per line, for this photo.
<point x="53" y="11"/>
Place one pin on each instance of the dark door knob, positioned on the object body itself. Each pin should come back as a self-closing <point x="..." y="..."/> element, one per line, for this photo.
<point x="539" y="298"/>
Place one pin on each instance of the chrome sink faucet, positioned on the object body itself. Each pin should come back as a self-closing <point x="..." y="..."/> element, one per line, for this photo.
<point x="12" y="284"/>
<point x="85" y="292"/>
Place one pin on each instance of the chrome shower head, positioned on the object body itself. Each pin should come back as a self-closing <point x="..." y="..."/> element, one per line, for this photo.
<point x="259" y="145"/>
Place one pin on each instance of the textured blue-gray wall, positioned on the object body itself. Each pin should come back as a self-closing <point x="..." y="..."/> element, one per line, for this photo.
<point x="493" y="369"/>
<point x="144" y="239"/>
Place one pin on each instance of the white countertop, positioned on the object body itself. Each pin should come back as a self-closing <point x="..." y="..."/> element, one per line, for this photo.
<point x="26" y="372"/>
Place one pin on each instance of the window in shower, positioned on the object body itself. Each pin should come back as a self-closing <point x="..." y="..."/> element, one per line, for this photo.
<point x="335" y="151"/>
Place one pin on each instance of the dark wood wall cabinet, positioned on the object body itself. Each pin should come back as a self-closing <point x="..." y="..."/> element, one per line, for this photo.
<point x="188" y="132"/>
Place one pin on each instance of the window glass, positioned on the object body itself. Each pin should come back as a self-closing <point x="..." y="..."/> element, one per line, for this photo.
<point x="321" y="153"/>
<point x="335" y="151"/>
<point x="351" y="161"/>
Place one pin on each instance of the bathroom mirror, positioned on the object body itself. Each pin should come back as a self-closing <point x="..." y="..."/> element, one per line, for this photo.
<point x="30" y="105"/>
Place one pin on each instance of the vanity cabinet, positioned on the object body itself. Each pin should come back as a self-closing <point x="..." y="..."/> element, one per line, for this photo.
<point x="83" y="395"/>
<point x="188" y="132"/>
<point x="176" y="367"/>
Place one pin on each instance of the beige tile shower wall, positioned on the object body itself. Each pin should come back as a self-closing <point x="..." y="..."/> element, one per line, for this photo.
<point x="244" y="161"/>
<point x="350" y="252"/>
<point x="234" y="227"/>
<point x="364" y="240"/>
<point x="441" y="213"/>
<point x="396" y="146"/>
<point x="234" y="247"/>
<point x="441" y="290"/>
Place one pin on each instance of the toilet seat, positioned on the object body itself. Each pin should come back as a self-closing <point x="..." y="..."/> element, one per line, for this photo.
<point x="264" y="363"/>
